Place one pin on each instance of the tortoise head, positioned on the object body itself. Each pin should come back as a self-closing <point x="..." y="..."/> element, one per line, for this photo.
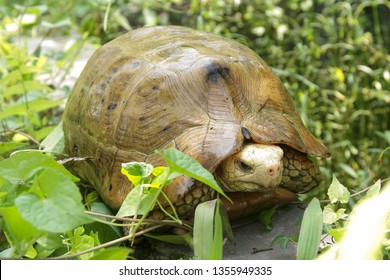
<point x="256" y="167"/>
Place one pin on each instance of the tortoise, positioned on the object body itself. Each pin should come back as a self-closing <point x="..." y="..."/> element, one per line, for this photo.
<point x="210" y="97"/>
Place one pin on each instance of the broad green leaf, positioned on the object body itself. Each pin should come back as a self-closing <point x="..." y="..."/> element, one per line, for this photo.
<point x="8" y="147"/>
<point x="136" y="171"/>
<point x="25" y="86"/>
<point x="349" y="170"/>
<point x="158" y="170"/>
<point x="138" y="202"/>
<point x="53" y="204"/>
<point x="37" y="106"/>
<point x="140" y="169"/>
<point x="266" y="217"/>
<point x="112" y="253"/>
<point x="330" y="215"/>
<point x="54" y="142"/>
<point x="337" y="233"/>
<point x="107" y="232"/>
<point x="188" y="166"/>
<point x="337" y="192"/>
<point x="373" y="191"/>
<point x="22" y="166"/>
<point x="19" y="230"/>
<point x="310" y="233"/>
<point x="50" y="241"/>
<point x="41" y="133"/>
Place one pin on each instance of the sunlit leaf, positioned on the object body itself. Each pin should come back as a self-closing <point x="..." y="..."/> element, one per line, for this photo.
<point x="188" y="166"/>
<point x="112" y="253"/>
<point x="337" y="192"/>
<point x="52" y="207"/>
<point x="33" y="106"/>
<point x="54" y="142"/>
<point x="330" y="215"/>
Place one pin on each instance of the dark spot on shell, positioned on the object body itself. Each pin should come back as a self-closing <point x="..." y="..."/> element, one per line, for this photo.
<point x="215" y="71"/>
<point x="156" y="88"/>
<point x="103" y="86"/>
<point x="75" y="148"/>
<point x="110" y="188"/>
<point x="102" y="101"/>
<point x="246" y="133"/>
<point x="135" y="64"/>
<point x="224" y="72"/>
<point x="165" y="129"/>
<point x="142" y="118"/>
<point x="112" y="106"/>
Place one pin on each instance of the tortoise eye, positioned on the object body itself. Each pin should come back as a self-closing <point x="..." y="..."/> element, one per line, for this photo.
<point x="246" y="133"/>
<point x="243" y="166"/>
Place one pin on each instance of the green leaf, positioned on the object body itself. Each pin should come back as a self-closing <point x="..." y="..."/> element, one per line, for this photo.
<point x="136" y="171"/>
<point x="203" y="235"/>
<point x="266" y="217"/>
<point x="17" y="227"/>
<point x="112" y="253"/>
<point x="8" y="147"/>
<point x="282" y="240"/>
<point x="138" y="201"/>
<point x="188" y="166"/>
<point x="337" y="233"/>
<point x="22" y="166"/>
<point x="25" y="86"/>
<point x="81" y="242"/>
<point x="107" y="231"/>
<point x="54" y="142"/>
<point x="37" y="106"/>
<point x="53" y="204"/>
<point x="50" y="241"/>
<point x="217" y="245"/>
<point x="208" y="243"/>
<point x="140" y="169"/>
<point x="373" y="191"/>
<point x="330" y="215"/>
<point x="310" y="233"/>
<point x="337" y="192"/>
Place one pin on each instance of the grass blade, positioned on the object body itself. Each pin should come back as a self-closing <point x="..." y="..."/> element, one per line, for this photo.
<point x="310" y="233"/>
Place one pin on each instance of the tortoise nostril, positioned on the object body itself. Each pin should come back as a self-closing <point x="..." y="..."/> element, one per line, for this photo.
<point x="244" y="167"/>
<point x="273" y="170"/>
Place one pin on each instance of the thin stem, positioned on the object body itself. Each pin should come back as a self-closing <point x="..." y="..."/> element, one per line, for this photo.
<point x="22" y="133"/>
<point x="184" y="224"/>
<point x="107" y="244"/>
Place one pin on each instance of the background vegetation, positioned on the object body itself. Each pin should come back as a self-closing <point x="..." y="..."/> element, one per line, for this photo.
<point x="332" y="56"/>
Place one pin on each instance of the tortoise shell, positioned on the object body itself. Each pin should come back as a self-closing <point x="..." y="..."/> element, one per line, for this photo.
<point x="167" y="86"/>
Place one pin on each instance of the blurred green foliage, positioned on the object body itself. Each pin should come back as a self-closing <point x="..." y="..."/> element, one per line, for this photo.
<point x="332" y="56"/>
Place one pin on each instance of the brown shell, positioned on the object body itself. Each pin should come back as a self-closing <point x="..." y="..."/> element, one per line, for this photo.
<point x="161" y="87"/>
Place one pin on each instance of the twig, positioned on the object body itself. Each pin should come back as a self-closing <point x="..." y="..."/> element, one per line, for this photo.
<point x="22" y="133"/>
<point x="185" y="224"/>
<point x="104" y="245"/>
